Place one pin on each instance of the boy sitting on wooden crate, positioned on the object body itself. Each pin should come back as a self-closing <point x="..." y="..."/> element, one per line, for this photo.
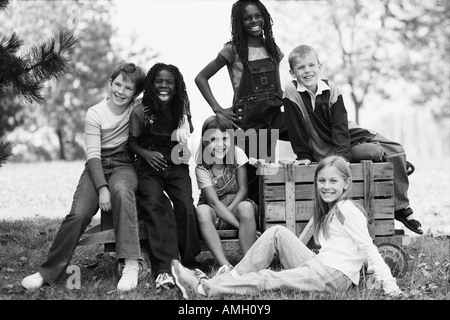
<point x="318" y="127"/>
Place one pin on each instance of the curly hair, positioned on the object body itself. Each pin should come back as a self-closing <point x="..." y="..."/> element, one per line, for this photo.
<point x="180" y="101"/>
<point x="239" y="37"/>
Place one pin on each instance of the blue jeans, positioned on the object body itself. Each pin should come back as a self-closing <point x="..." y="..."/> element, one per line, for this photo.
<point x="381" y="149"/>
<point x="122" y="183"/>
<point x="302" y="270"/>
<point x="170" y="232"/>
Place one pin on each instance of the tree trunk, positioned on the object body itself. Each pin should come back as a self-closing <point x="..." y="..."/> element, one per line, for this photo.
<point x="62" y="151"/>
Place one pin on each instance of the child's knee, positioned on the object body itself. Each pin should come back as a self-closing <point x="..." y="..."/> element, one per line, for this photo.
<point x="204" y="214"/>
<point x="367" y="151"/>
<point x="245" y="209"/>
<point x="122" y="190"/>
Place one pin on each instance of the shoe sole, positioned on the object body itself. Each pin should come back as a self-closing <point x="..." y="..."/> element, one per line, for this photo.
<point x="406" y="224"/>
<point x="186" y="289"/>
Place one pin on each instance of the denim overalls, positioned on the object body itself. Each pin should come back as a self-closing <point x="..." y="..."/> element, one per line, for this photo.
<point x="168" y="233"/>
<point x="257" y="107"/>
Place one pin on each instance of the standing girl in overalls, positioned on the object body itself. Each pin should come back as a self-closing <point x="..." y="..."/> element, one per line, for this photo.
<point x="222" y="179"/>
<point x="252" y="59"/>
<point x="159" y="127"/>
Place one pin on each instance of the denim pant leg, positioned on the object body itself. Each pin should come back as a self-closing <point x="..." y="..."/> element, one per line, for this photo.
<point x="367" y="151"/>
<point x="179" y="189"/>
<point x="159" y="220"/>
<point x="395" y="154"/>
<point x="302" y="269"/>
<point x="123" y="184"/>
<point x="275" y="240"/>
<point x="84" y="207"/>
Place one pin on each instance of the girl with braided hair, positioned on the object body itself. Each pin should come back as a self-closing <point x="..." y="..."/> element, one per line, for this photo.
<point x="252" y="58"/>
<point x="159" y="127"/>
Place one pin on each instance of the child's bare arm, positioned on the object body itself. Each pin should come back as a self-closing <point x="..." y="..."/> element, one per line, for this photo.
<point x="241" y="195"/>
<point x="221" y="210"/>
<point x="202" y="82"/>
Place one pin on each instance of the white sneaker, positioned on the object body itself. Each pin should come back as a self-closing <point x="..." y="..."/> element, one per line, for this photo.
<point x="164" y="281"/>
<point x="33" y="282"/>
<point x="186" y="281"/>
<point x="129" y="279"/>
<point x="200" y="274"/>
<point x="223" y="269"/>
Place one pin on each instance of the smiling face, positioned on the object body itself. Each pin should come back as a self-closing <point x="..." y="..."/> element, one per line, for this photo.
<point x="306" y="69"/>
<point x="330" y="184"/>
<point x="164" y="86"/>
<point x="217" y="143"/>
<point x="253" y="21"/>
<point x="121" y="91"/>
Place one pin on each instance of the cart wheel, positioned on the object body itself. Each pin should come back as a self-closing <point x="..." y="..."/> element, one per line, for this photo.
<point x="395" y="257"/>
<point x="144" y="266"/>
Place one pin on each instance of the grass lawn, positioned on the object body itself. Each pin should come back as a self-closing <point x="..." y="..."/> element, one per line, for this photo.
<point x="34" y="198"/>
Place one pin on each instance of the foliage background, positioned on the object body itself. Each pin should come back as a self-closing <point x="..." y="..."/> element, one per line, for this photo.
<point x="390" y="58"/>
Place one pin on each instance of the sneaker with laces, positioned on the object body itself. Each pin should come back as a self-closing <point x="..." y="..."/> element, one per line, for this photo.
<point x="164" y="281"/>
<point x="200" y="274"/>
<point x="129" y="279"/>
<point x="223" y="269"/>
<point x="186" y="281"/>
<point x="33" y="282"/>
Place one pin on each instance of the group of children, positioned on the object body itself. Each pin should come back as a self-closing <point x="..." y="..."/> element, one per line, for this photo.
<point x="137" y="158"/>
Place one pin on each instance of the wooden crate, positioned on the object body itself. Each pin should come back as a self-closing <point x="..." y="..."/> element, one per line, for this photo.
<point x="286" y="197"/>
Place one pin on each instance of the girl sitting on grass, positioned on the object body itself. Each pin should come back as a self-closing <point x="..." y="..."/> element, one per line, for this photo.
<point x="340" y="227"/>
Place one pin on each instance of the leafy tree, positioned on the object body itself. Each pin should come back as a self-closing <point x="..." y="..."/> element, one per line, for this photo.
<point x="372" y="44"/>
<point x="24" y="75"/>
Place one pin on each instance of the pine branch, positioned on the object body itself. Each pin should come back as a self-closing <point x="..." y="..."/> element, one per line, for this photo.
<point x="11" y="44"/>
<point x="47" y="61"/>
<point x="5" y="151"/>
<point x="3" y="4"/>
<point x="26" y="74"/>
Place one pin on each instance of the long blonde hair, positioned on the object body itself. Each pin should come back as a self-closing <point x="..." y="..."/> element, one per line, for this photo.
<point x="323" y="211"/>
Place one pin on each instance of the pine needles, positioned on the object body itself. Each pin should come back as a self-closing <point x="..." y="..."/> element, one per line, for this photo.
<point x="25" y="74"/>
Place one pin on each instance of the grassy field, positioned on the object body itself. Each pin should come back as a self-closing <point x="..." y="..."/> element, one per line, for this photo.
<point x="34" y="198"/>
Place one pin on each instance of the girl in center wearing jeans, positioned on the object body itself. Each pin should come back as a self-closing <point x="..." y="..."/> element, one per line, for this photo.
<point x="340" y="228"/>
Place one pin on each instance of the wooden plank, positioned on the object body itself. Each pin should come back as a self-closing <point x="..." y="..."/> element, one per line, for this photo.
<point x="383" y="228"/>
<point x="368" y="195"/>
<point x="228" y="234"/>
<point x="228" y="245"/>
<point x="275" y="192"/>
<point x="307" y="233"/>
<point x="94" y="229"/>
<point x="274" y="173"/>
<point x="275" y="210"/>
<point x="290" y="198"/>
<point x="105" y="236"/>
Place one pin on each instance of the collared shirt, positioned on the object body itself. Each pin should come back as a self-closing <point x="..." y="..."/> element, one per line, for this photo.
<point x="321" y="87"/>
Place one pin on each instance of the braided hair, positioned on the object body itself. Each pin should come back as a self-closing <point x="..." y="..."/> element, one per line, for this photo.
<point x="239" y="38"/>
<point x="180" y="101"/>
